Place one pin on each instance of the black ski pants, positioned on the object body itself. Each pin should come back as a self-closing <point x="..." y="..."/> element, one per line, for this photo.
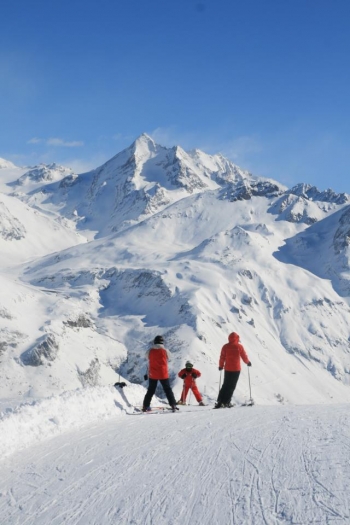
<point x="152" y="385"/>
<point x="228" y="387"/>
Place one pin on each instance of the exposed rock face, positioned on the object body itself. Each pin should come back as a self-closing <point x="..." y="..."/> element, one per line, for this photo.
<point x="252" y="188"/>
<point x="82" y="321"/>
<point x="45" y="351"/>
<point x="5" y="313"/>
<point x="11" y="229"/>
<point x="341" y="238"/>
<point x="90" y="376"/>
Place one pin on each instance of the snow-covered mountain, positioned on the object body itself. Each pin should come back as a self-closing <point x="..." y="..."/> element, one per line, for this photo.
<point x="133" y="185"/>
<point x="6" y="164"/>
<point x="186" y="244"/>
<point x="43" y="173"/>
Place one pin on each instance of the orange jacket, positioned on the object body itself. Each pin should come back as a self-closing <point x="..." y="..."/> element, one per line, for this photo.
<point x="189" y="380"/>
<point x="158" y="357"/>
<point x="232" y="353"/>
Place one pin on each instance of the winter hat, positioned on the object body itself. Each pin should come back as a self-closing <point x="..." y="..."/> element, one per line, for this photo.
<point x="158" y="340"/>
<point x="189" y="364"/>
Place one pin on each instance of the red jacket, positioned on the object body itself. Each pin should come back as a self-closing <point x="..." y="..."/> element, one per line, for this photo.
<point x="189" y="380"/>
<point x="158" y="362"/>
<point x="232" y="353"/>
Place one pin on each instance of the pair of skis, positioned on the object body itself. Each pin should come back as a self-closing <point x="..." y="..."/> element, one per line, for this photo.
<point x="247" y="404"/>
<point x="137" y="411"/>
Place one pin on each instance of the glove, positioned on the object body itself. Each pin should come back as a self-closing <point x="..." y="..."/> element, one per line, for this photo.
<point x="121" y="385"/>
<point x="145" y="377"/>
<point x="249" y="364"/>
<point x="194" y="376"/>
<point x="220" y="368"/>
<point x="183" y="376"/>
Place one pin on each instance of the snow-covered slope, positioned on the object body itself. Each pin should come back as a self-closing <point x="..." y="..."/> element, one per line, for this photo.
<point x="6" y="164"/>
<point x="190" y="246"/>
<point x="330" y="240"/>
<point x="185" y="244"/>
<point x="27" y="233"/>
<point x="201" y="269"/>
<point x="251" y="466"/>
<point x="8" y="174"/>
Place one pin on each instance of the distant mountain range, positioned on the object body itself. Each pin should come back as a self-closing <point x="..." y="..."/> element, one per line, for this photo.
<point x="186" y="244"/>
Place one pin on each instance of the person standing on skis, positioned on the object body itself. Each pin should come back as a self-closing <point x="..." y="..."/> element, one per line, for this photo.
<point x="189" y="375"/>
<point x="230" y="360"/>
<point x="158" y="357"/>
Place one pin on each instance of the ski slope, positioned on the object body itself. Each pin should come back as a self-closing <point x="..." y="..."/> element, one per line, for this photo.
<point x="242" y="466"/>
<point x="161" y="241"/>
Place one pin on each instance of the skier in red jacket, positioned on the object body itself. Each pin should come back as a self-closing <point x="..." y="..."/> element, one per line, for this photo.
<point x="230" y="360"/>
<point x="189" y="375"/>
<point x="158" y="357"/>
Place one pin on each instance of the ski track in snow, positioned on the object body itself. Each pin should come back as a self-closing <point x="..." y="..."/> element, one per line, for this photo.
<point x="243" y="466"/>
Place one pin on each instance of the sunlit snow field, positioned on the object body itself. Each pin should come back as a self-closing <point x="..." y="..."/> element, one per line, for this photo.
<point x="190" y="246"/>
<point x="81" y="459"/>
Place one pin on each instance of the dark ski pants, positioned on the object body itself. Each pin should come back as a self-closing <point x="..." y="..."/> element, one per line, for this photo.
<point x="228" y="387"/>
<point x="152" y="385"/>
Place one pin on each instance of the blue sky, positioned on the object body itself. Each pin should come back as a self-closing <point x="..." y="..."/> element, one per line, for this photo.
<point x="265" y="82"/>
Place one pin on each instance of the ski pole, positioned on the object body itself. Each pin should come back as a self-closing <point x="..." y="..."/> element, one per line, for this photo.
<point x="250" y="388"/>
<point x="121" y="384"/>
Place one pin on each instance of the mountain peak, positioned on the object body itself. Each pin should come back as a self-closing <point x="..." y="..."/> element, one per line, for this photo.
<point x="44" y="173"/>
<point x="144" y="142"/>
<point x="312" y="193"/>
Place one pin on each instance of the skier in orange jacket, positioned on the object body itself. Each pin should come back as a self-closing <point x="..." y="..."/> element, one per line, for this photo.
<point x="230" y="360"/>
<point x="158" y="357"/>
<point x="189" y="375"/>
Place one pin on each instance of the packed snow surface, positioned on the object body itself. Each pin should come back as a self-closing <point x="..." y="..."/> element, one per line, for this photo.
<point x="246" y="465"/>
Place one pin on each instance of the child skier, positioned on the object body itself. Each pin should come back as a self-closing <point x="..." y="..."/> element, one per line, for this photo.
<point x="189" y="375"/>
